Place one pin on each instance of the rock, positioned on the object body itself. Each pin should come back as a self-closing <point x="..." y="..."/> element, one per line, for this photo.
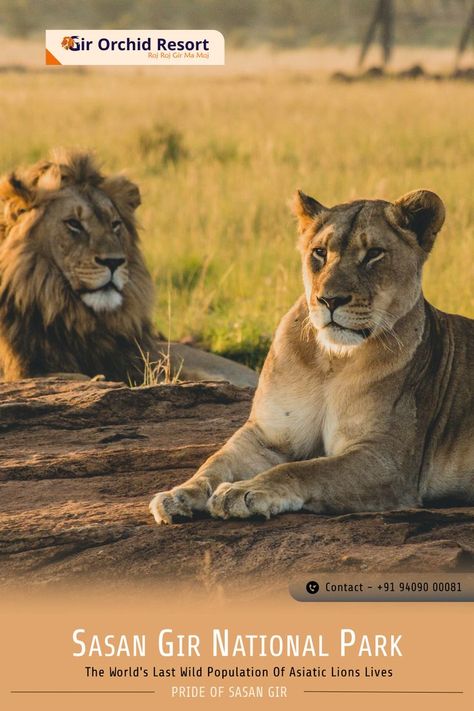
<point x="81" y="460"/>
<point x="342" y="77"/>
<point x="466" y="73"/>
<point x="195" y="364"/>
<point x="414" y="72"/>
<point x="374" y="73"/>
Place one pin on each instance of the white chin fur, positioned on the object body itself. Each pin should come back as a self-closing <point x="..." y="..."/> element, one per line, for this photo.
<point x="337" y="341"/>
<point x="106" y="300"/>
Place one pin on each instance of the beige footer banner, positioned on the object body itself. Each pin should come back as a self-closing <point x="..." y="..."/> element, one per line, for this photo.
<point x="95" y="649"/>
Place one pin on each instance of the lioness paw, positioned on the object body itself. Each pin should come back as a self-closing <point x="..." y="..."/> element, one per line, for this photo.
<point x="178" y="502"/>
<point x="244" y="499"/>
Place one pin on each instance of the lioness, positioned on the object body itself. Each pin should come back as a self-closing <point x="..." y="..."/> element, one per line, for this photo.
<point x="365" y="401"/>
<point x="75" y="294"/>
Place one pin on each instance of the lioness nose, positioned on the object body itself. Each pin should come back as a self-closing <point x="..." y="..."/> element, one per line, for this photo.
<point x="333" y="302"/>
<point x="112" y="264"/>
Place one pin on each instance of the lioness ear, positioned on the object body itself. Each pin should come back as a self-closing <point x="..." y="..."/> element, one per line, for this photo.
<point x="305" y="209"/>
<point x="122" y="192"/>
<point x="17" y="197"/>
<point x="422" y="212"/>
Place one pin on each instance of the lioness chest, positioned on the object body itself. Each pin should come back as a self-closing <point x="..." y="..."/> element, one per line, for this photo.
<point x="316" y="416"/>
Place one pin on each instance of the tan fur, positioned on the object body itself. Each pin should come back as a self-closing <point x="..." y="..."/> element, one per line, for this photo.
<point x="365" y="401"/>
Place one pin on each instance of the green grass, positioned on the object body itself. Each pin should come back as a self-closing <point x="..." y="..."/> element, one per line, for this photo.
<point x="218" y="156"/>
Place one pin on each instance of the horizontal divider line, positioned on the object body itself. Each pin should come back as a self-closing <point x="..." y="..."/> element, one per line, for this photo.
<point x="323" y="691"/>
<point x="72" y="691"/>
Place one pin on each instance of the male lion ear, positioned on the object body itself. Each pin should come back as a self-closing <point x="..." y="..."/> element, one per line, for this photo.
<point x="123" y="193"/>
<point x="16" y="196"/>
<point x="421" y="212"/>
<point x="305" y="209"/>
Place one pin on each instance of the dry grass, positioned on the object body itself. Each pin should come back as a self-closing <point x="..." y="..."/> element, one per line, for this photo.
<point x="160" y="371"/>
<point x="157" y="372"/>
<point x="218" y="154"/>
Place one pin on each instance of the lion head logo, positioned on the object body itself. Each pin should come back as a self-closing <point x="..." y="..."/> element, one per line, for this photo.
<point x="68" y="42"/>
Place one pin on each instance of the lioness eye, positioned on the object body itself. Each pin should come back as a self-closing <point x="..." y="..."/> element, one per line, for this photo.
<point x="318" y="258"/>
<point x="373" y="253"/>
<point x="116" y="225"/>
<point x="74" y="225"/>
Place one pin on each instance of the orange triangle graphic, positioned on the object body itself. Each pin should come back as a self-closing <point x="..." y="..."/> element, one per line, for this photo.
<point x="50" y="58"/>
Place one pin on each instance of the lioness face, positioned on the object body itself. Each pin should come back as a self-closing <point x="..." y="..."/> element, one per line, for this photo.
<point x="362" y="264"/>
<point x="89" y="243"/>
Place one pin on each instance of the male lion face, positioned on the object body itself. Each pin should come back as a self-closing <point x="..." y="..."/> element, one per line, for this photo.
<point x="89" y="243"/>
<point x="79" y="223"/>
<point x="362" y="264"/>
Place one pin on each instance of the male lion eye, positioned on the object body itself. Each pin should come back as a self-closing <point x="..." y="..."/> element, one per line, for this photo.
<point x="319" y="252"/>
<point x="373" y="253"/>
<point x="74" y="225"/>
<point x="116" y="225"/>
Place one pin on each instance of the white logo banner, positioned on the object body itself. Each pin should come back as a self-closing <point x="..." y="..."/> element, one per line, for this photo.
<point x="135" y="47"/>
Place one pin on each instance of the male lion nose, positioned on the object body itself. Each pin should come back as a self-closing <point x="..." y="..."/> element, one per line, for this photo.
<point x="112" y="264"/>
<point x="333" y="302"/>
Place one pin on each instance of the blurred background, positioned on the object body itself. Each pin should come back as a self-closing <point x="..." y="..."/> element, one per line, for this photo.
<point x="219" y="151"/>
<point x="284" y="23"/>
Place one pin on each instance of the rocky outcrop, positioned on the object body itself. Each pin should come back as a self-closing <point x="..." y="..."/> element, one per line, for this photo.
<point x="81" y="460"/>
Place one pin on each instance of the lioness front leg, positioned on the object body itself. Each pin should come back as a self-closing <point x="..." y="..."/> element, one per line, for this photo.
<point x="242" y="457"/>
<point x="358" y="480"/>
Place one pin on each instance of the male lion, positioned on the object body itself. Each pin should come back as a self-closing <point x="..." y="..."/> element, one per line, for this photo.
<point x="365" y="401"/>
<point x="75" y="295"/>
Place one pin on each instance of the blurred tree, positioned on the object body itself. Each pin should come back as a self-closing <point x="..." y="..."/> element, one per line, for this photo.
<point x="467" y="32"/>
<point x="383" y="17"/>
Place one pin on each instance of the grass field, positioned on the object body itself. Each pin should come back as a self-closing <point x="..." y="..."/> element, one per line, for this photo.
<point x="217" y="156"/>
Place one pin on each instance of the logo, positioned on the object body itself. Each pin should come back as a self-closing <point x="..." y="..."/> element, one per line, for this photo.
<point x="68" y="42"/>
<point x="134" y="47"/>
<point x="312" y="587"/>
